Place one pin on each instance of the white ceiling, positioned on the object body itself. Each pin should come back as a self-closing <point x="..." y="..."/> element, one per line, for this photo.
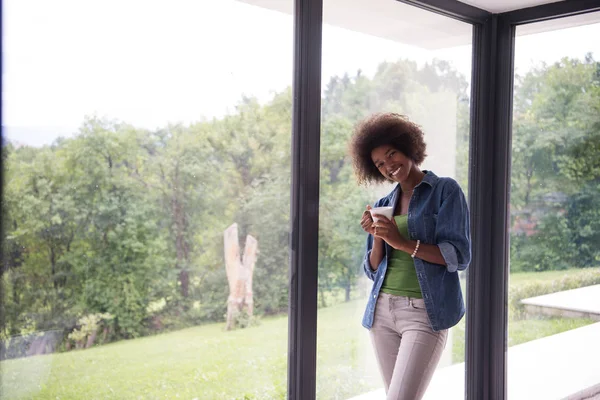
<point x="397" y="21"/>
<point x="388" y="19"/>
<point x="500" y="6"/>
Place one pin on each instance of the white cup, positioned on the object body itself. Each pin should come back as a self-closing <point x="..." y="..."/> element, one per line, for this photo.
<point x="387" y="212"/>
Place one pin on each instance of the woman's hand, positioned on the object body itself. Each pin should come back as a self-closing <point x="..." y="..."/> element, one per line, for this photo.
<point x="388" y="231"/>
<point x="367" y="221"/>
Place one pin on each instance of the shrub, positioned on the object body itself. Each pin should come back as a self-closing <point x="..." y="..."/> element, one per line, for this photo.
<point x="552" y="247"/>
<point x="89" y="325"/>
<point x="532" y="289"/>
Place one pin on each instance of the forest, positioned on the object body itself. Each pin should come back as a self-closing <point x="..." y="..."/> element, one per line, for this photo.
<point x="117" y="232"/>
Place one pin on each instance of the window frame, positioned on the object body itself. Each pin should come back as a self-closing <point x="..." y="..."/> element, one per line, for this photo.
<point x="489" y="175"/>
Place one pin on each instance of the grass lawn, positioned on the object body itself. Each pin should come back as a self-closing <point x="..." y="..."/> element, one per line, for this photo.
<point x="207" y="362"/>
<point x="201" y="363"/>
<point x="547" y="276"/>
<point x="197" y="363"/>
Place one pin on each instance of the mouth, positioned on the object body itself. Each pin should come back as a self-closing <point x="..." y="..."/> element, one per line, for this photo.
<point x="396" y="172"/>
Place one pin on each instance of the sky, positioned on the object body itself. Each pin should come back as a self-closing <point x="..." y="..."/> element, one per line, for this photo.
<point x="151" y="62"/>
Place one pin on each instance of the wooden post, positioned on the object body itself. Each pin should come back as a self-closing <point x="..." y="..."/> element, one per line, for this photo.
<point x="250" y="254"/>
<point x="239" y="274"/>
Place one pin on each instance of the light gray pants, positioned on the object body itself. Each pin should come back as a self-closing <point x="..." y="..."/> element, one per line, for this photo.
<point x="407" y="349"/>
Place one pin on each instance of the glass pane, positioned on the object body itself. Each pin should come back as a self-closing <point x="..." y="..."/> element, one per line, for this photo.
<point x="382" y="57"/>
<point x="554" y="286"/>
<point x="146" y="199"/>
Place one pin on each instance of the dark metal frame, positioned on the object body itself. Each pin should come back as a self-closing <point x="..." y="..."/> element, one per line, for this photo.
<point x="451" y="8"/>
<point x="491" y="117"/>
<point x="561" y="9"/>
<point x="490" y="160"/>
<point x="304" y="215"/>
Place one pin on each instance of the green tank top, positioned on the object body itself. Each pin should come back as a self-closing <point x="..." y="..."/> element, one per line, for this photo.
<point x="401" y="276"/>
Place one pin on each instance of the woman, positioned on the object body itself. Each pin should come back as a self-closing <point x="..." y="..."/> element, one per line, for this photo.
<point x="413" y="258"/>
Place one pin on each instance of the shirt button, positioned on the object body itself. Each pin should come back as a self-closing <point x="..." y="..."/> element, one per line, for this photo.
<point x="374" y="295"/>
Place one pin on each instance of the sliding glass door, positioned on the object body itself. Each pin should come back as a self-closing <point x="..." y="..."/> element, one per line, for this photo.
<point x="146" y="199"/>
<point x="554" y="284"/>
<point x="378" y="57"/>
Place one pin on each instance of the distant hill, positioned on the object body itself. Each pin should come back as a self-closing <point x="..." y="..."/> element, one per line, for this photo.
<point x="35" y="136"/>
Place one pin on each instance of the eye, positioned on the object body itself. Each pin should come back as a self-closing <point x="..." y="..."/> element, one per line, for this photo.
<point x="391" y="153"/>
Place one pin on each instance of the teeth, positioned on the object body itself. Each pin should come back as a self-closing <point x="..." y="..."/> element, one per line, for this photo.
<point x="396" y="171"/>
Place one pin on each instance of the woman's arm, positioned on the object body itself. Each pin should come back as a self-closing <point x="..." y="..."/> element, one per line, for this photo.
<point x="452" y="246"/>
<point x="428" y="252"/>
<point x="377" y="253"/>
<point x="387" y="231"/>
<point x="452" y="235"/>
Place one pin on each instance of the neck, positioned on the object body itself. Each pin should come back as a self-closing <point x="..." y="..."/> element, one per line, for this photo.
<point x="414" y="178"/>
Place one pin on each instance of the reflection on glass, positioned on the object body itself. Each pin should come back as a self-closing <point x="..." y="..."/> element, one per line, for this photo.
<point x="554" y="287"/>
<point x="146" y="200"/>
<point x="380" y="70"/>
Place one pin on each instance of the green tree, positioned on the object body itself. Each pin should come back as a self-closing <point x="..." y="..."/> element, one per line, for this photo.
<point x="556" y="136"/>
<point x="252" y="148"/>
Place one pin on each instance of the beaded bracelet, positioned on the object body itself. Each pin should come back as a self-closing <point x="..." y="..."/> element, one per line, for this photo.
<point x="414" y="253"/>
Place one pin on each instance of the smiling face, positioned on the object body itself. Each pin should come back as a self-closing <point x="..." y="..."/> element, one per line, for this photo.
<point x="392" y="163"/>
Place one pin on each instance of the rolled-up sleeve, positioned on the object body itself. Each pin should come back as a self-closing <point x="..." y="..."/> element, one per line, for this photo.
<point x="452" y="233"/>
<point x="366" y="260"/>
<point x="367" y="266"/>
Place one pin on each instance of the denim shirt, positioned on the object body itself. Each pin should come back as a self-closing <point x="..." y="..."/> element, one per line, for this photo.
<point x="437" y="214"/>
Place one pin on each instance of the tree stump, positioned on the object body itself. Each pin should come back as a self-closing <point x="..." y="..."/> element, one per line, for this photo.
<point x="239" y="274"/>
